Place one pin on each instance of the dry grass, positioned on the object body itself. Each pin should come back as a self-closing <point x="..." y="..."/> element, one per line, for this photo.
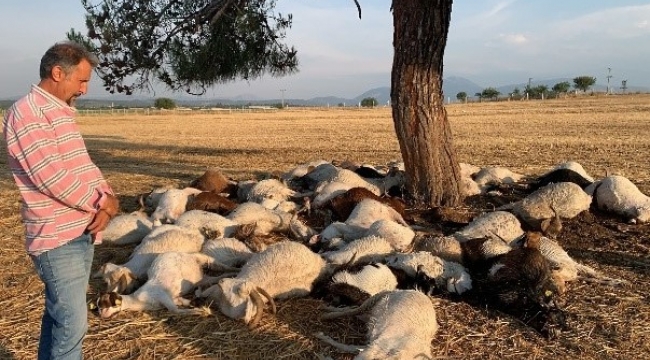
<point x="605" y="134"/>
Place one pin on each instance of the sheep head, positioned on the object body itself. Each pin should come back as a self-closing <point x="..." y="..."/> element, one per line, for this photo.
<point x="109" y="304"/>
<point x="118" y="278"/>
<point x="240" y="299"/>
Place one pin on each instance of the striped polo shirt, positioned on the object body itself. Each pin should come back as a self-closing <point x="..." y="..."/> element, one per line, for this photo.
<point x="60" y="186"/>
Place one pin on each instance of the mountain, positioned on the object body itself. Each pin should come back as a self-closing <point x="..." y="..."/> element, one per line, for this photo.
<point x="450" y="87"/>
<point x="455" y="84"/>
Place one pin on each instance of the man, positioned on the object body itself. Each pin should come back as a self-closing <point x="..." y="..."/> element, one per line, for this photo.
<point x="66" y="202"/>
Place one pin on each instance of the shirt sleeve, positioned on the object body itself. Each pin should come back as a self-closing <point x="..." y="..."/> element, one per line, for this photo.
<point x="32" y="144"/>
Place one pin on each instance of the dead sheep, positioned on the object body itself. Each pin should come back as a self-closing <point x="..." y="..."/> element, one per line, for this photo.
<point x="171" y="276"/>
<point x="501" y="224"/>
<point x="366" y="249"/>
<point x="330" y="173"/>
<point x="212" y="202"/>
<point x="399" y="236"/>
<point x="445" y="247"/>
<point x="563" y="200"/>
<point x="267" y="221"/>
<point x="619" y="195"/>
<point x="401" y="325"/>
<point x="227" y="251"/>
<point x="302" y="170"/>
<point x="213" y="180"/>
<point x="490" y="177"/>
<point x="561" y="174"/>
<point x="272" y="189"/>
<point x="152" y="198"/>
<point x="284" y="270"/>
<point x="352" y="285"/>
<point x="166" y="238"/>
<point x="576" y="167"/>
<point x="172" y="204"/>
<point x="447" y="276"/>
<point x="127" y="229"/>
<point x="565" y="268"/>
<point x="344" y="203"/>
<point x="209" y="224"/>
<point x="521" y="282"/>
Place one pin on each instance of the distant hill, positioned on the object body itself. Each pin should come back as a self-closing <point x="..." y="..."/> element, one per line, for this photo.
<point x="450" y="87"/>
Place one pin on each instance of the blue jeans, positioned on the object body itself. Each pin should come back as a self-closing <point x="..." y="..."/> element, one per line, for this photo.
<point x="65" y="272"/>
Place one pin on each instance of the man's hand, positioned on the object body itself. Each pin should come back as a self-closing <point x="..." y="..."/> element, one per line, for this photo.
<point x="111" y="206"/>
<point x="99" y="223"/>
<point x="106" y="212"/>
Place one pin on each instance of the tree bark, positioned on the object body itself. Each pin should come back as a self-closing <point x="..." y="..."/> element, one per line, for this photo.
<point x="421" y="124"/>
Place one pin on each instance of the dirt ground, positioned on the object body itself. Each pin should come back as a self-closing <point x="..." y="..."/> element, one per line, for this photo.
<point x="604" y="322"/>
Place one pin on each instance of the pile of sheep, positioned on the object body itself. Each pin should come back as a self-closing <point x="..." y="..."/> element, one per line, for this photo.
<point x="341" y="233"/>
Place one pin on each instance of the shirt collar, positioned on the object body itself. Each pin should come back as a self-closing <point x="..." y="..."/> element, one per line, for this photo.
<point x="52" y="99"/>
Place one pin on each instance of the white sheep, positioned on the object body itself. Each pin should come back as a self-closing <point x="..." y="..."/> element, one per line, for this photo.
<point x="302" y="169"/>
<point x="152" y="198"/>
<point x="285" y="269"/>
<point x="227" y="251"/>
<point x="488" y="177"/>
<point x="166" y="238"/>
<point x="447" y="275"/>
<point x="128" y="228"/>
<point x="325" y="191"/>
<point x="172" y="204"/>
<point x="371" y="279"/>
<point x="445" y="247"/>
<point x="496" y="223"/>
<point x="365" y="249"/>
<point x="171" y="276"/>
<point x="468" y="170"/>
<point x="399" y="236"/>
<point x="402" y="325"/>
<point x="367" y="211"/>
<point x="208" y="221"/>
<point x="564" y="200"/>
<point x="619" y="195"/>
<point x="267" y="221"/>
<point x="270" y="189"/>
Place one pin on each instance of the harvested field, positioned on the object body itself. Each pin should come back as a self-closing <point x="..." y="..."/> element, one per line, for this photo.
<point x="607" y="135"/>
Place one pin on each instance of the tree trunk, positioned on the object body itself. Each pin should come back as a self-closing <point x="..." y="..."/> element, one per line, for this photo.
<point x="432" y="171"/>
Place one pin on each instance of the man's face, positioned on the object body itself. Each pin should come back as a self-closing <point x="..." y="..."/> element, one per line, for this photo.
<point x="75" y="83"/>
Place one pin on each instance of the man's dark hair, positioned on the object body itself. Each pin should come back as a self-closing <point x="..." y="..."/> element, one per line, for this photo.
<point x="67" y="55"/>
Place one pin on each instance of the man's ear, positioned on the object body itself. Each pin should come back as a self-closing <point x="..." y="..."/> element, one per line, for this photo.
<point x="57" y="73"/>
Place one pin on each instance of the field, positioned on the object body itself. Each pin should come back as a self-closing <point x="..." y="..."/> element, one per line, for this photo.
<point x="606" y="134"/>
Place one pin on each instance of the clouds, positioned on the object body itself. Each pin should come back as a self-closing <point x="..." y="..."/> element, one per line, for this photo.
<point x="490" y="42"/>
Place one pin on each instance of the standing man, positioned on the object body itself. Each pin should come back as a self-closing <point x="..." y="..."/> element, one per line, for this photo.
<point x="66" y="202"/>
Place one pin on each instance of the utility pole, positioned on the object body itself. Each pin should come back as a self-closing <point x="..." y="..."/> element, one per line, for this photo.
<point x="282" y="91"/>
<point x="528" y="88"/>
<point x="609" y="76"/>
<point x="624" y="86"/>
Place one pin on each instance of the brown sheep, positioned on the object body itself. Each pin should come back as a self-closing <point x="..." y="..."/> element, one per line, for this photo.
<point x="213" y="180"/>
<point x="211" y="201"/>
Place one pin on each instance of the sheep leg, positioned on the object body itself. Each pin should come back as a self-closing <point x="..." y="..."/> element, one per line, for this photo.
<point x="170" y="304"/>
<point x="341" y="312"/>
<point x="353" y="349"/>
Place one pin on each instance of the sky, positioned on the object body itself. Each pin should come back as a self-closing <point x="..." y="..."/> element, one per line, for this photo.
<point x="490" y="42"/>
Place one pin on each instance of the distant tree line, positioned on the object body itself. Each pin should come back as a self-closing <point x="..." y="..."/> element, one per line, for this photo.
<point x="582" y="83"/>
